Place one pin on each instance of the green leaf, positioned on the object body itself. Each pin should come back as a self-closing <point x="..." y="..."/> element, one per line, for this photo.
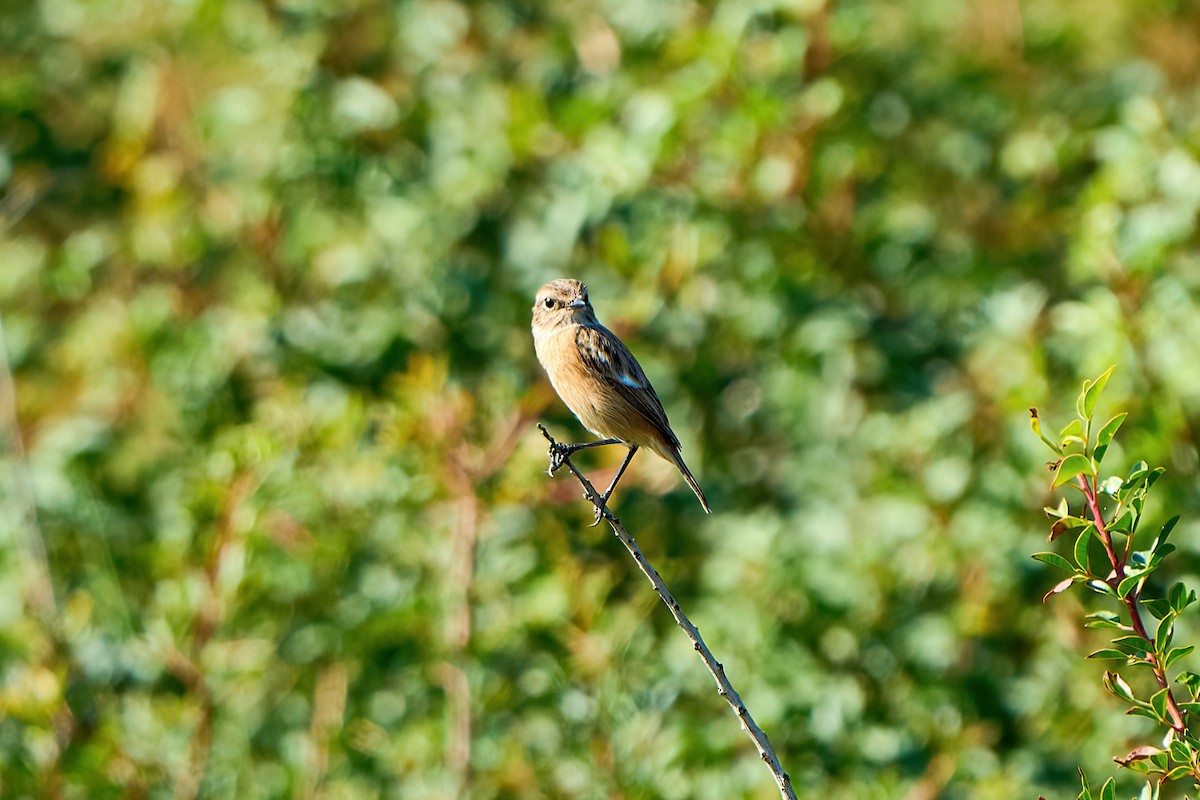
<point x="1101" y="587"/>
<point x="1127" y="585"/>
<point x="1108" y="654"/>
<point x="1117" y="686"/>
<point x="1122" y="524"/>
<point x="1105" y="436"/>
<point x="1071" y="466"/>
<point x="1061" y="511"/>
<point x="1154" y="475"/>
<point x="1081" y="549"/>
<point x="1164" y="634"/>
<point x="1166" y="529"/>
<point x="1181" y="598"/>
<point x="1176" y="653"/>
<point x="1182" y="771"/>
<point x="1137" y="474"/>
<point x="1111" y="485"/>
<point x="1158" y="702"/>
<point x="1086" y="793"/>
<point x="1190" y="680"/>
<point x="1054" y="560"/>
<point x="1091" y="393"/>
<point x="1109" y="790"/>
<point x="1162" y="552"/>
<point x="1157" y="606"/>
<point x="1180" y="751"/>
<point x="1105" y="619"/>
<point x="1134" y="645"/>
<point x="1138" y="711"/>
<point x="1073" y="433"/>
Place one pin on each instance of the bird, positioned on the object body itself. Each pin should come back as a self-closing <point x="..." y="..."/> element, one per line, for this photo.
<point x="601" y="382"/>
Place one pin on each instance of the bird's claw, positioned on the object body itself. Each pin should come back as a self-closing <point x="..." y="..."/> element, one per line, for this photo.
<point x="601" y="510"/>
<point x="558" y="456"/>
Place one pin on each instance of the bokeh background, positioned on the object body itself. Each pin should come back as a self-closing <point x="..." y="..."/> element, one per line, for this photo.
<point x="277" y="524"/>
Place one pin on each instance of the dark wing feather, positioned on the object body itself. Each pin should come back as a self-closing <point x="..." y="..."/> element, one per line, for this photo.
<point x="610" y="361"/>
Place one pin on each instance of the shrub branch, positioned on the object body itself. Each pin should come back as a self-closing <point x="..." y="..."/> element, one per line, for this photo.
<point x="558" y="458"/>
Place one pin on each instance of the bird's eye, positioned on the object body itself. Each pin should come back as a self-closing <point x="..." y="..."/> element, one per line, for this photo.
<point x="549" y="302"/>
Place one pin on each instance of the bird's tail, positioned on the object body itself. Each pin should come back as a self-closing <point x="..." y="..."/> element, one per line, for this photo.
<point x="691" y="481"/>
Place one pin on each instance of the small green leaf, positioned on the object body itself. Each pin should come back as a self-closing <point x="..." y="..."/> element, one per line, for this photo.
<point x="1154" y="475"/>
<point x="1166" y="529"/>
<point x="1081" y="549"/>
<point x="1109" y="790"/>
<point x="1073" y="433"/>
<point x="1101" y="587"/>
<point x="1180" y="751"/>
<point x="1091" y="393"/>
<point x="1105" y="436"/>
<point x="1054" y="560"/>
<point x="1122" y="524"/>
<point x="1162" y="552"/>
<point x="1157" y="606"/>
<point x="1138" y="711"/>
<point x="1105" y="619"/>
<point x="1134" y="645"/>
<point x="1182" y="771"/>
<point x="1058" y="512"/>
<point x="1086" y="792"/>
<point x="1127" y="585"/>
<point x="1181" y="598"/>
<point x="1190" y="680"/>
<point x="1137" y="474"/>
<point x="1108" y="654"/>
<point x="1117" y="685"/>
<point x="1158" y="702"/>
<point x="1176" y="653"/>
<point x="1071" y="466"/>
<point x="1164" y="634"/>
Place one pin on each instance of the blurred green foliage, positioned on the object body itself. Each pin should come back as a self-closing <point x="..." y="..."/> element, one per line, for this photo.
<point x="265" y="283"/>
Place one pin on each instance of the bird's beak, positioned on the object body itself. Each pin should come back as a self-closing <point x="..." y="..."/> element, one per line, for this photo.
<point x="578" y="302"/>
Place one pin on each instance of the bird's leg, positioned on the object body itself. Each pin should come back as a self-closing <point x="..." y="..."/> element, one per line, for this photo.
<point x="602" y="506"/>
<point x="559" y="452"/>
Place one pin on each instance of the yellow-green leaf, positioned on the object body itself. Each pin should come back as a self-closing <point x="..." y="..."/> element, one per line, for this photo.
<point x="1071" y="466"/>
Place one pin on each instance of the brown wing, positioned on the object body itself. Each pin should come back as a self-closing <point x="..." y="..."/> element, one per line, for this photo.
<point x="609" y="361"/>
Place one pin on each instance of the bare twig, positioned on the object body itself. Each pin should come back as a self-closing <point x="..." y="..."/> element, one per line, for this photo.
<point x="558" y="458"/>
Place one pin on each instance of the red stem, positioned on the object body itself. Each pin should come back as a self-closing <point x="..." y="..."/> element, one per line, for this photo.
<point x="1130" y="600"/>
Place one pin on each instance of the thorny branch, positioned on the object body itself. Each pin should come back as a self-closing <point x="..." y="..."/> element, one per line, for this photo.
<point x="558" y="458"/>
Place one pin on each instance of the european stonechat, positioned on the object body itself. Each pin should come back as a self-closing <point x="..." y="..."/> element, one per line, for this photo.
<point x="600" y="380"/>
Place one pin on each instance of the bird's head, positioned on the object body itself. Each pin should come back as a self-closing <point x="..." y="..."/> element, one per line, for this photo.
<point x="562" y="302"/>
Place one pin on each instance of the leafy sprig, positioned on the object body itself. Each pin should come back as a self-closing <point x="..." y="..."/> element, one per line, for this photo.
<point x="1143" y="626"/>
